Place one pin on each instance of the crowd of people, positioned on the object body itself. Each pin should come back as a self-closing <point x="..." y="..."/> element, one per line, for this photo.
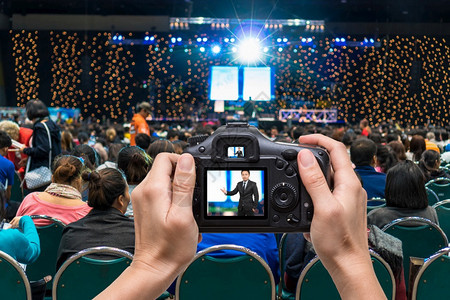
<point x="117" y="186"/>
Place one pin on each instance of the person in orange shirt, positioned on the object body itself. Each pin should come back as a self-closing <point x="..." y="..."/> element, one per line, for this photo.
<point x="139" y="123"/>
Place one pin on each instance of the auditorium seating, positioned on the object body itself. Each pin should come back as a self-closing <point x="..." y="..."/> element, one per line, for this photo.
<point x="81" y="277"/>
<point x="441" y="186"/>
<point x="443" y="212"/>
<point x="243" y="277"/>
<point x="375" y="203"/>
<point x="14" y="282"/>
<point x="420" y="238"/>
<point x="431" y="281"/>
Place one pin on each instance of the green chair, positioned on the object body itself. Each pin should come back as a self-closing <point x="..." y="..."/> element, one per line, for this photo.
<point x="420" y="238"/>
<point x="242" y="277"/>
<point x="282" y="293"/>
<point x="14" y="283"/>
<point x="316" y="283"/>
<point x="82" y="277"/>
<point x="441" y="187"/>
<point x="49" y="236"/>
<point x="16" y="189"/>
<point x="375" y="203"/>
<point x="432" y="197"/>
<point x="443" y="212"/>
<point x="432" y="281"/>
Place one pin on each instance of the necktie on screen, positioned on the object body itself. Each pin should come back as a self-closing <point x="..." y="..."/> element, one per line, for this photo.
<point x="245" y="184"/>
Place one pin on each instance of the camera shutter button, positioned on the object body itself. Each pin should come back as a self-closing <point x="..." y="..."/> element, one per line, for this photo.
<point x="289" y="154"/>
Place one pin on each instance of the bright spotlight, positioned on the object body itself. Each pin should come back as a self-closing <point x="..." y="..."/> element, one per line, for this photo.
<point x="250" y="50"/>
<point x="202" y="49"/>
<point x="280" y="49"/>
<point x="265" y="50"/>
<point x="173" y="40"/>
<point x="216" y="49"/>
<point x="179" y="39"/>
<point x="234" y="49"/>
<point x="226" y="40"/>
<point x="199" y="40"/>
<point x="205" y="39"/>
<point x="338" y="40"/>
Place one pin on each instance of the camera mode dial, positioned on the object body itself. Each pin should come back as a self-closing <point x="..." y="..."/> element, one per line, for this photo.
<point x="284" y="197"/>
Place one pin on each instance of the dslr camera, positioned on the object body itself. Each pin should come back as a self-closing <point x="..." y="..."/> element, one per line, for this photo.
<point x="247" y="183"/>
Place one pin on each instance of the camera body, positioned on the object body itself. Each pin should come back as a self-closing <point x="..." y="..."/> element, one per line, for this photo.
<point x="247" y="183"/>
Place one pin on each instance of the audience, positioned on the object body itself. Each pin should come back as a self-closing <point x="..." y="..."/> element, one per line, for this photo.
<point x="386" y="158"/>
<point x="6" y="166"/>
<point x="62" y="198"/>
<point x="405" y="196"/>
<point x="160" y="146"/>
<point x="416" y="147"/>
<point x="399" y="150"/>
<point x="143" y="140"/>
<point x="88" y="154"/>
<point x="429" y="164"/>
<point x="363" y="155"/>
<point x="106" y="224"/>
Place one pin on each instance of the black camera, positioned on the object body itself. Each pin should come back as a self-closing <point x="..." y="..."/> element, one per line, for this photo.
<point x="247" y="183"/>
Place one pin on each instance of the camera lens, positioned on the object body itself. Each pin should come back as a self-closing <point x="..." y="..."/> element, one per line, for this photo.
<point x="284" y="197"/>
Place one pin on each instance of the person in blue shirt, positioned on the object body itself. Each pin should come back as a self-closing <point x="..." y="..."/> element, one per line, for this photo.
<point x="6" y="166"/>
<point x="363" y="155"/>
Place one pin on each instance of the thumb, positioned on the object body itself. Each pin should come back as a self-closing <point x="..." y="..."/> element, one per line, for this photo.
<point x="313" y="179"/>
<point x="184" y="181"/>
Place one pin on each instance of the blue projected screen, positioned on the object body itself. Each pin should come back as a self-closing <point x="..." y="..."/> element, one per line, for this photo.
<point x="224" y="83"/>
<point x="257" y="84"/>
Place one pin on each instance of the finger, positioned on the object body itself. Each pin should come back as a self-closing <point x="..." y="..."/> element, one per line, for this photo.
<point x="307" y="237"/>
<point x="313" y="179"/>
<point x="184" y="182"/>
<point x="339" y="158"/>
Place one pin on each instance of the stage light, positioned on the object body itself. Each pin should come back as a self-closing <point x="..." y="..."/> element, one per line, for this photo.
<point x="303" y="40"/>
<point x="343" y="40"/>
<point x="114" y="38"/>
<point x="152" y="38"/>
<point x="234" y="49"/>
<point x="285" y="40"/>
<point x="372" y="41"/>
<point x="216" y="49"/>
<point x="338" y="40"/>
<point x="278" y="40"/>
<point x="202" y="49"/>
<point x="232" y="40"/>
<point x="280" y="49"/>
<point x="199" y="40"/>
<point x="173" y="40"/>
<point x="250" y="50"/>
<point x="179" y="39"/>
<point x="146" y="38"/>
<point x="205" y="39"/>
<point x="265" y="50"/>
<point x="226" y="40"/>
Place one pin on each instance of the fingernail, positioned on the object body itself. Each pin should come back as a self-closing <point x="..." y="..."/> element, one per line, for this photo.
<point x="306" y="158"/>
<point x="185" y="163"/>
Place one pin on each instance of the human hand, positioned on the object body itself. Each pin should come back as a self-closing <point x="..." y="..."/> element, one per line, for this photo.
<point x="21" y="149"/>
<point x="15" y="222"/>
<point x="338" y="229"/>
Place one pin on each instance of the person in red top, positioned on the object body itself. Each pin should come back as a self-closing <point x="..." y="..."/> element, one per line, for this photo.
<point x="139" y="123"/>
<point x="21" y="135"/>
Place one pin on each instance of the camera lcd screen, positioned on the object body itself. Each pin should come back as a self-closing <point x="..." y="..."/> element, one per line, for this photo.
<point x="235" y="193"/>
<point x="236" y="152"/>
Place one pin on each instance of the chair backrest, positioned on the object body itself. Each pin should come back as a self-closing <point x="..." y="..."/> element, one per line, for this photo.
<point x="441" y="186"/>
<point x="81" y="277"/>
<point x="282" y="293"/>
<point x="316" y="283"/>
<point x="375" y="203"/>
<point x="432" y="281"/>
<point x="14" y="283"/>
<point x="432" y="197"/>
<point x="420" y="238"/>
<point x="49" y="236"/>
<point x="443" y="212"/>
<point x="246" y="276"/>
<point x="16" y="189"/>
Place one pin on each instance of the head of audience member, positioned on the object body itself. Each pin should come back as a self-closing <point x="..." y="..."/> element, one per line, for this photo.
<point x="11" y="128"/>
<point x="107" y="189"/>
<point x="430" y="161"/>
<point x="399" y="150"/>
<point x="144" y="109"/>
<point x="143" y="140"/>
<point x="179" y="146"/>
<point x="376" y="137"/>
<point x="417" y="146"/>
<point x="67" y="169"/>
<point x="83" y="138"/>
<point x="392" y="137"/>
<point x="297" y="132"/>
<point x="348" y="138"/>
<point x="386" y="158"/>
<point x="430" y="136"/>
<point x="66" y="141"/>
<point x="160" y="146"/>
<point x="36" y="110"/>
<point x="362" y="152"/>
<point x="135" y="163"/>
<point x="172" y="135"/>
<point x="110" y="135"/>
<point x="89" y="155"/>
<point x="113" y="151"/>
<point x="405" y="186"/>
<point x="5" y="143"/>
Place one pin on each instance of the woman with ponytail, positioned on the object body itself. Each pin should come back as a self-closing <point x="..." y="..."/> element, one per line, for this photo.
<point x="135" y="163"/>
<point x="106" y="224"/>
<point x="62" y="198"/>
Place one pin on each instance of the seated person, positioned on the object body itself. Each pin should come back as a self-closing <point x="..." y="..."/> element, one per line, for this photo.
<point x="106" y="224"/>
<point x="405" y="196"/>
<point x="363" y="154"/>
<point x="429" y="164"/>
<point x="62" y="198"/>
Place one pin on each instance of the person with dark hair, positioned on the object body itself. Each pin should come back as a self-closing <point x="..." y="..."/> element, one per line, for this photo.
<point x="417" y="146"/>
<point x="66" y="142"/>
<point x="179" y="146"/>
<point x="62" y="198"/>
<point x="88" y="154"/>
<point x="83" y="138"/>
<point x="363" y="155"/>
<point x="405" y="196"/>
<point x="143" y="140"/>
<point x="160" y="146"/>
<point x="43" y="128"/>
<point x="113" y="153"/>
<point x="135" y="163"/>
<point x="139" y="123"/>
<point x="386" y="158"/>
<point x="392" y="137"/>
<point x="6" y="166"/>
<point x="172" y="135"/>
<point x="376" y="138"/>
<point x="399" y="150"/>
<point x="429" y="164"/>
<point x="106" y="224"/>
<point x="348" y="138"/>
<point x="248" y="195"/>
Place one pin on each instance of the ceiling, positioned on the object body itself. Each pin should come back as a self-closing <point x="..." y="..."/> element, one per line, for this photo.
<point x="328" y="10"/>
